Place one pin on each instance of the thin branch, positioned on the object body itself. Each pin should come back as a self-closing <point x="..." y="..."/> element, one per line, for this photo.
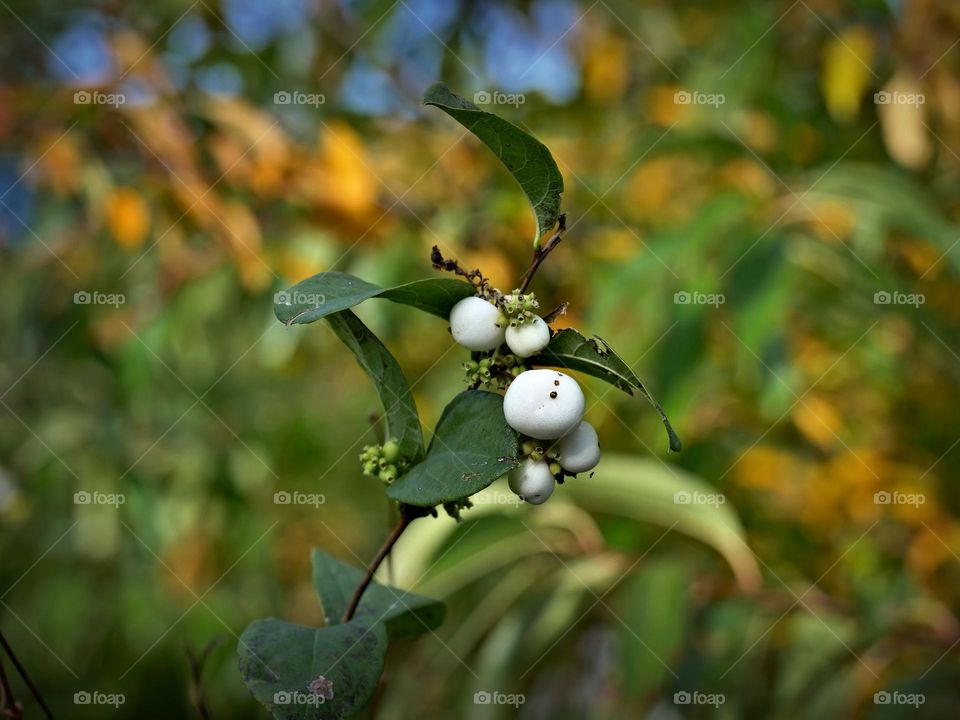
<point x="474" y="277"/>
<point x="26" y="678"/>
<point x="561" y="309"/>
<point x="8" y="706"/>
<point x="197" y="663"/>
<point x="408" y="514"/>
<point x="540" y="253"/>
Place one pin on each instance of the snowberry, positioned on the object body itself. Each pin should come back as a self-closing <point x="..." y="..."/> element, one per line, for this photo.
<point x="528" y="339"/>
<point x="476" y="324"/>
<point x="532" y="481"/>
<point x="578" y="450"/>
<point x="544" y="404"/>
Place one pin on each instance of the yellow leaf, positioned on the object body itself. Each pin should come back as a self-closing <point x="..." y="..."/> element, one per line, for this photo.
<point x="901" y="106"/>
<point x="128" y="217"/>
<point x="818" y="420"/>
<point x="846" y="72"/>
<point x="605" y="70"/>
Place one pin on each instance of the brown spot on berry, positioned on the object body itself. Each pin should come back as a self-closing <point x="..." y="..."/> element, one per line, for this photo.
<point x="553" y="394"/>
<point x="557" y="383"/>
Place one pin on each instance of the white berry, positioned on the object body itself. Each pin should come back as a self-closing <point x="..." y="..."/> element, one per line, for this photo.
<point x="528" y="339"/>
<point x="578" y="450"/>
<point x="532" y="481"/>
<point x="544" y="404"/>
<point x="474" y="323"/>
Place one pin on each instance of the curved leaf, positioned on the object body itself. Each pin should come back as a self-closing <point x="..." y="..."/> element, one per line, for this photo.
<point x="405" y="614"/>
<point x="527" y="159"/>
<point x="471" y="447"/>
<point x="656" y="492"/>
<point x="400" y="412"/>
<point x="569" y="349"/>
<point x="329" y="292"/>
<point x="304" y="673"/>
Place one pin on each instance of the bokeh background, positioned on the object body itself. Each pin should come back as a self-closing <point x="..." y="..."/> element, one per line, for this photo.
<point x="762" y="201"/>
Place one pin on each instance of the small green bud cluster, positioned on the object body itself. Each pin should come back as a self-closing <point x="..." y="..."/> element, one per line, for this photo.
<point x="519" y="309"/>
<point x="495" y="371"/>
<point x="383" y="461"/>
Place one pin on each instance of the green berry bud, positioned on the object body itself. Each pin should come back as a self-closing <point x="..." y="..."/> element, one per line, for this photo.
<point x="391" y="451"/>
<point x="555" y="468"/>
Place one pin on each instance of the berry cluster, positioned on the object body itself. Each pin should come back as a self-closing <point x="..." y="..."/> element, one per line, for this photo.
<point x="383" y="461"/>
<point x="545" y="406"/>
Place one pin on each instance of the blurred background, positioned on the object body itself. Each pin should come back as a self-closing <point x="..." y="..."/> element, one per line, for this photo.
<point x="762" y="202"/>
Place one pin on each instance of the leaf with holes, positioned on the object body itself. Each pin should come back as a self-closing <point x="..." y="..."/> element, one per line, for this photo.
<point x="405" y="614"/>
<point x="471" y="447"/>
<point x="527" y="159"/>
<point x="569" y="349"/>
<point x="400" y="412"/>
<point x="305" y="673"/>
<point x="329" y="292"/>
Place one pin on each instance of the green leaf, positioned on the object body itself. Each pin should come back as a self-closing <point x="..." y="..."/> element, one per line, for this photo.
<point x="304" y="673"/>
<point x="471" y="447"/>
<point x="527" y="159"/>
<point x="569" y="349"/>
<point x="656" y="612"/>
<point x="329" y="292"/>
<point x="400" y="412"/>
<point x="650" y="490"/>
<point x="405" y="614"/>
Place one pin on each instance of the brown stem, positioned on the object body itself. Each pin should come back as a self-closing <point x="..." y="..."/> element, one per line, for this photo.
<point x="26" y="679"/>
<point x="541" y="252"/>
<point x="405" y="519"/>
<point x="197" y="663"/>
<point x="8" y="706"/>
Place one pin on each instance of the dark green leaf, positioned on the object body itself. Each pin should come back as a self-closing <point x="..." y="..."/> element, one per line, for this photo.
<point x="304" y="673"/>
<point x="471" y="447"/>
<point x="330" y="292"/>
<point x="400" y="412"/>
<point x="527" y="159"/>
<point x="405" y="613"/>
<point x="569" y="349"/>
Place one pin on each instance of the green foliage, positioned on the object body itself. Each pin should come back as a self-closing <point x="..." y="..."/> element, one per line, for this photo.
<point x="569" y="349"/>
<point x="400" y="412"/>
<point x="527" y="159"/>
<point x="303" y="673"/>
<point x="405" y="614"/>
<point x="330" y="292"/>
<point x="471" y="447"/>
